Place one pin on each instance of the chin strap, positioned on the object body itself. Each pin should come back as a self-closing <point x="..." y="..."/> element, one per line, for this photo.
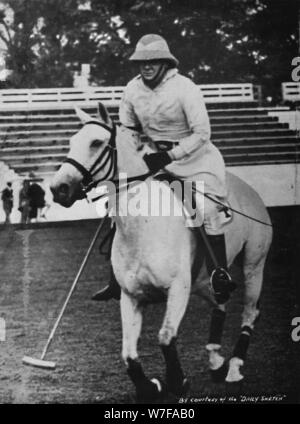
<point x="158" y="77"/>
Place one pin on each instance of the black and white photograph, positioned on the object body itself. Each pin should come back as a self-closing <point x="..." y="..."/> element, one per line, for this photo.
<point x="150" y="204"/>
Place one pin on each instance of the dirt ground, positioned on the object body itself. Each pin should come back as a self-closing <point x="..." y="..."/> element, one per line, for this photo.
<point x="37" y="267"/>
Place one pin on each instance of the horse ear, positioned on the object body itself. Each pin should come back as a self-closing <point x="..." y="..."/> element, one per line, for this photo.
<point x="83" y="116"/>
<point x="103" y="114"/>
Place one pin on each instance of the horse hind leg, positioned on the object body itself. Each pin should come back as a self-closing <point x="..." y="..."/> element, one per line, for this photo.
<point x="178" y="297"/>
<point x="131" y="314"/>
<point x="217" y="364"/>
<point x="253" y="285"/>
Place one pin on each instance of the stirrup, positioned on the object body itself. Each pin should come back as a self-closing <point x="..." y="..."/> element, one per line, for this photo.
<point x="221" y="284"/>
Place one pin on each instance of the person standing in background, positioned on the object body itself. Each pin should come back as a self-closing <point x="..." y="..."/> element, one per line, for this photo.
<point x="36" y="200"/>
<point x="7" y="201"/>
<point x="24" y="202"/>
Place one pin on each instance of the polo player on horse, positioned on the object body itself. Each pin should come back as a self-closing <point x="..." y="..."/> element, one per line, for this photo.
<point x="169" y="109"/>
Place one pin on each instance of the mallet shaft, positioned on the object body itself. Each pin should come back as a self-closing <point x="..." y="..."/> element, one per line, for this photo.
<point x="72" y="288"/>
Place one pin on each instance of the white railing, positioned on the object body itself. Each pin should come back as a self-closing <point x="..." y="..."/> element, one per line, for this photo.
<point x="10" y="99"/>
<point x="290" y="91"/>
<point x="59" y="96"/>
<point x="221" y="93"/>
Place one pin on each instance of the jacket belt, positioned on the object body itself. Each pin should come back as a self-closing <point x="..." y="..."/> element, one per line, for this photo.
<point x="165" y="145"/>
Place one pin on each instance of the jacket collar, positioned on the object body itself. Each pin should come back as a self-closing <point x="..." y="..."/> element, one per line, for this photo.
<point x="169" y="74"/>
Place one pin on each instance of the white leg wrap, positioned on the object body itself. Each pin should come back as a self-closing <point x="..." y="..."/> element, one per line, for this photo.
<point x="234" y="374"/>
<point x="212" y="346"/>
<point x="215" y="359"/>
<point x="158" y="384"/>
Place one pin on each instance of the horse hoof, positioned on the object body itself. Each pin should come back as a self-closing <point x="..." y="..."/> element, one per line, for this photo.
<point x="179" y="390"/>
<point x="236" y="379"/>
<point x="159" y="385"/>
<point x="185" y="387"/>
<point x="218" y="375"/>
<point x="151" y="391"/>
<point x="234" y="375"/>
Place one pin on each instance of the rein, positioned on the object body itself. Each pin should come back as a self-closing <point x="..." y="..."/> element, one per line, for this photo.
<point x="236" y="211"/>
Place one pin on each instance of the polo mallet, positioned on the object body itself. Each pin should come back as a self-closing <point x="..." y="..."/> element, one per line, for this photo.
<point x="42" y="363"/>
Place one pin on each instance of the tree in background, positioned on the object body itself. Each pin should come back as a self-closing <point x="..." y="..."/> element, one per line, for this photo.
<point x="216" y="41"/>
<point x="223" y="41"/>
<point x="46" y="40"/>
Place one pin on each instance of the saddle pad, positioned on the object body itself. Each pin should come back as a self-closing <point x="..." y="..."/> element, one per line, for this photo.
<point x="225" y="214"/>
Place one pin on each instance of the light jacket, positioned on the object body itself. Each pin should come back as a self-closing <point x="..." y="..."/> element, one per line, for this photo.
<point x="175" y="111"/>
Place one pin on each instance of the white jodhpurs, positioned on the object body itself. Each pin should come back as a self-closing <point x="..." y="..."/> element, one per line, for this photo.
<point x="207" y="213"/>
<point x="212" y="218"/>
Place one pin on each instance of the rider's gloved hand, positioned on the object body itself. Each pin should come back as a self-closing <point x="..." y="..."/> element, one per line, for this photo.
<point x="157" y="161"/>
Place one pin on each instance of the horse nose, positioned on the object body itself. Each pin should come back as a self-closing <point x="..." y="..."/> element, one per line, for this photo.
<point x="63" y="189"/>
<point x="61" y="192"/>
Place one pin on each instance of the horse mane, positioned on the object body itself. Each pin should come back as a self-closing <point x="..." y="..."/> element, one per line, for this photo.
<point x="131" y="150"/>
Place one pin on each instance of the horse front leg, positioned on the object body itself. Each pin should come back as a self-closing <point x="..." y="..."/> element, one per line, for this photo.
<point x="253" y="285"/>
<point x="131" y="315"/>
<point x="178" y="297"/>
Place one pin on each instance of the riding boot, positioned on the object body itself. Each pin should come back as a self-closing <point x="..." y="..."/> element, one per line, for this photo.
<point x="111" y="291"/>
<point x="220" y="278"/>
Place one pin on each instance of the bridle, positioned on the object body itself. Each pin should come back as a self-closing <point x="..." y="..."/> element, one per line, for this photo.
<point x="108" y="155"/>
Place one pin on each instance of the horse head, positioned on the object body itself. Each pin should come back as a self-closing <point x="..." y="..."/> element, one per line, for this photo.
<point x="92" y="158"/>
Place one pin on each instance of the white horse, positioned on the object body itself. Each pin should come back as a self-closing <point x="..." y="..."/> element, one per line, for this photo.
<point x="152" y="254"/>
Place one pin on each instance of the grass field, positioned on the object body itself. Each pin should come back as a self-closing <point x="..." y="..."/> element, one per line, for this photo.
<point x="37" y="267"/>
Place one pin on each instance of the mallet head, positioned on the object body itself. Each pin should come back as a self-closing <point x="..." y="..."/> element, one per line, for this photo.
<point x="39" y="363"/>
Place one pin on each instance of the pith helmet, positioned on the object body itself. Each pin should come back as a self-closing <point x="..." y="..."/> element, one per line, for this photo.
<point x="153" y="47"/>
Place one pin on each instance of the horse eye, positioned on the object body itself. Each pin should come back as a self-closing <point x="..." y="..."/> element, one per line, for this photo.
<point x="96" y="143"/>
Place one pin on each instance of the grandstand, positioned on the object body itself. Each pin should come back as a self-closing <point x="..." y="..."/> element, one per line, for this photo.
<point x="36" y="125"/>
